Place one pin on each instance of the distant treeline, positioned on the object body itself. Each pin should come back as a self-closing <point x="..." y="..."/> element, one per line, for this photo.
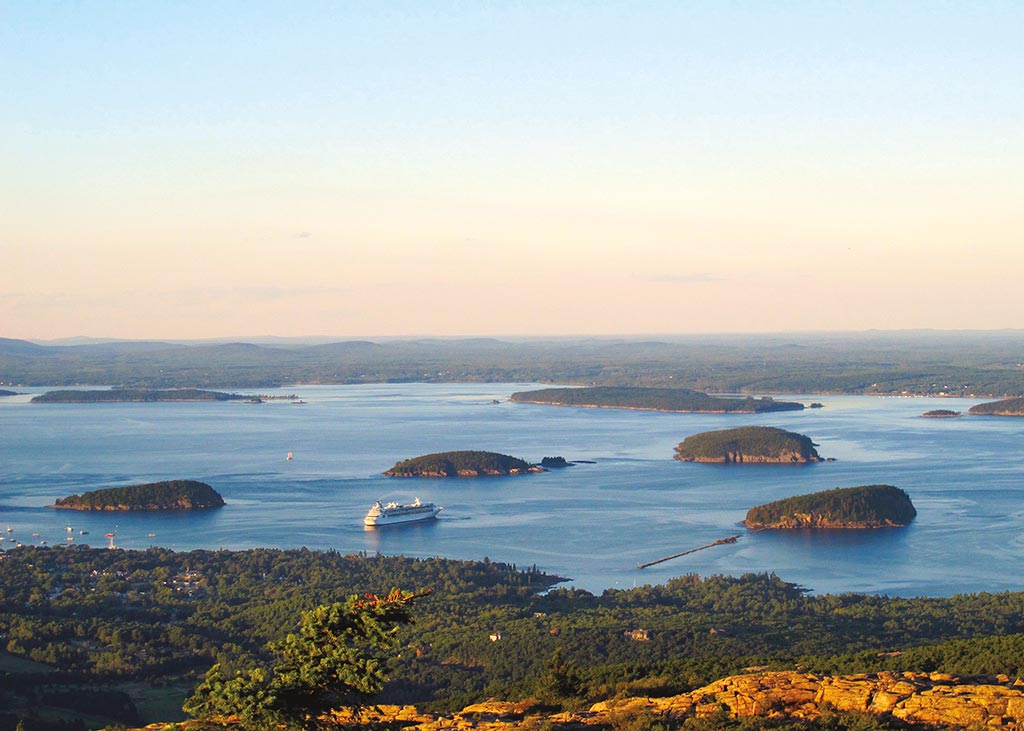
<point x="654" y="399"/>
<point x="978" y="364"/>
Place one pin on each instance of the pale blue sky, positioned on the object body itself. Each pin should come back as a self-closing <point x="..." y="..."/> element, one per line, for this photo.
<point x="492" y="168"/>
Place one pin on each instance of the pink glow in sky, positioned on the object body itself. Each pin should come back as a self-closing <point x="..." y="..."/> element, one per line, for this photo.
<point x="201" y="170"/>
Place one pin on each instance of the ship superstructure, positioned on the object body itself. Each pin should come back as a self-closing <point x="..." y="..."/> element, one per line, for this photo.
<point x="392" y="513"/>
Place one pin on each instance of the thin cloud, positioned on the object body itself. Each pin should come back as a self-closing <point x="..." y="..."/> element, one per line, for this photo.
<point x="692" y="278"/>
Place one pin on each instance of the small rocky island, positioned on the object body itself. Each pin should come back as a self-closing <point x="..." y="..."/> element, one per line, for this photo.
<point x="748" y="445"/>
<point x="555" y="462"/>
<point x="462" y="464"/>
<point x="941" y="414"/>
<point x="120" y="395"/>
<point x="682" y="400"/>
<point x="866" y="506"/>
<point x="1006" y="407"/>
<point x="168" y="495"/>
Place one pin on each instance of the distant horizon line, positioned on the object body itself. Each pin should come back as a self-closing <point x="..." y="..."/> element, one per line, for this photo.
<point x="324" y="339"/>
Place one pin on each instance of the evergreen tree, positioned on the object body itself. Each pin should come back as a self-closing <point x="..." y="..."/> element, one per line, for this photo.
<point x="338" y="658"/>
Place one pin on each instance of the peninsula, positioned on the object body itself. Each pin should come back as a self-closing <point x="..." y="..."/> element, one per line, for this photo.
<point x="168" y="495"/>
<point x="748" y="445"/>
<point x="866" y="506"/>
<point x="462" y="464"/>
<point x="653" y="399"/>
<point x="120" y="395"/>
<point x="1006" y="407"/>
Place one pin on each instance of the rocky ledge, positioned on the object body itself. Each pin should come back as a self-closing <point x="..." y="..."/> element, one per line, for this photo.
<point x="915" y="698"/>
<point x="926" y="700"/>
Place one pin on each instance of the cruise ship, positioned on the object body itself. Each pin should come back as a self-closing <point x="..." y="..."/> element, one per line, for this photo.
<point x="393" y="513"/>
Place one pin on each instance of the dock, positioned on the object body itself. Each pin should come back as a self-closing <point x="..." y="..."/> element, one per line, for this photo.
<point x="719" y="542"/>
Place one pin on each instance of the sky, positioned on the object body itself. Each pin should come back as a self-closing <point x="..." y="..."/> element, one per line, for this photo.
<point x="195" y="169"/>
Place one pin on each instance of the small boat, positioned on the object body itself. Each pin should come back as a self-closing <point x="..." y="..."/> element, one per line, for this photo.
<point x="83" y="532"/>
<point x="289" y="457"/>
<point x="393" y="513"/>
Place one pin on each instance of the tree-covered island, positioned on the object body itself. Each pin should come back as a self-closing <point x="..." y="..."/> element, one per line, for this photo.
<point x="748" y="444"/>
<point x="866" y="506"/>
<point x="167" y="495"/>
<point x="941" y="414"/>
<point x="120" y="395"/>
<point x="653" y="399"/>
<point x="1006" y="407"/>
<point x="549" y="462"/>
<point x="5" y="392"/>
<point x="462" y="464"/>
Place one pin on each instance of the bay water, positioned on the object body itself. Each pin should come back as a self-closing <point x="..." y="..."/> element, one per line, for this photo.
<point x="591" y="523"/>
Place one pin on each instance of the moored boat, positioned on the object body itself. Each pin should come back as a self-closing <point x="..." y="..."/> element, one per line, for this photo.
<point x="392" y="513"/>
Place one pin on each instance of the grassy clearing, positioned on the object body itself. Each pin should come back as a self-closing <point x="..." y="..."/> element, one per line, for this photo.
<point x="157" y="704"/>
<point x="13" y="664"/>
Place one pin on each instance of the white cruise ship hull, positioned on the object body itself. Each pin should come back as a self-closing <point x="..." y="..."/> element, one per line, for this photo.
<point x="401" y="515"/>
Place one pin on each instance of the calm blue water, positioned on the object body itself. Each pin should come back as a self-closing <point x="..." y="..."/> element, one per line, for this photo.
<point x="591" y="522"/>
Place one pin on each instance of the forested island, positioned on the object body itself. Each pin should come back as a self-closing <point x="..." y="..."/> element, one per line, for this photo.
<point x="653" y="399"/>
<point x="941" y="414"/>
<point x="866" y="506"/>
<point x="119" y="395"/>
<point x="1006" y="407"/>
<point x="5" y="392"/>
<point x="167" y="495"/>
<point x="133" y="632"/>
<point x="462" y="464"/>
<point x="748" y="445"/>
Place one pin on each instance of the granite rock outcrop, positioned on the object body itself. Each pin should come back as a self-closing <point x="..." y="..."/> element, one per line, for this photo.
<point x="928" y="700"/>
